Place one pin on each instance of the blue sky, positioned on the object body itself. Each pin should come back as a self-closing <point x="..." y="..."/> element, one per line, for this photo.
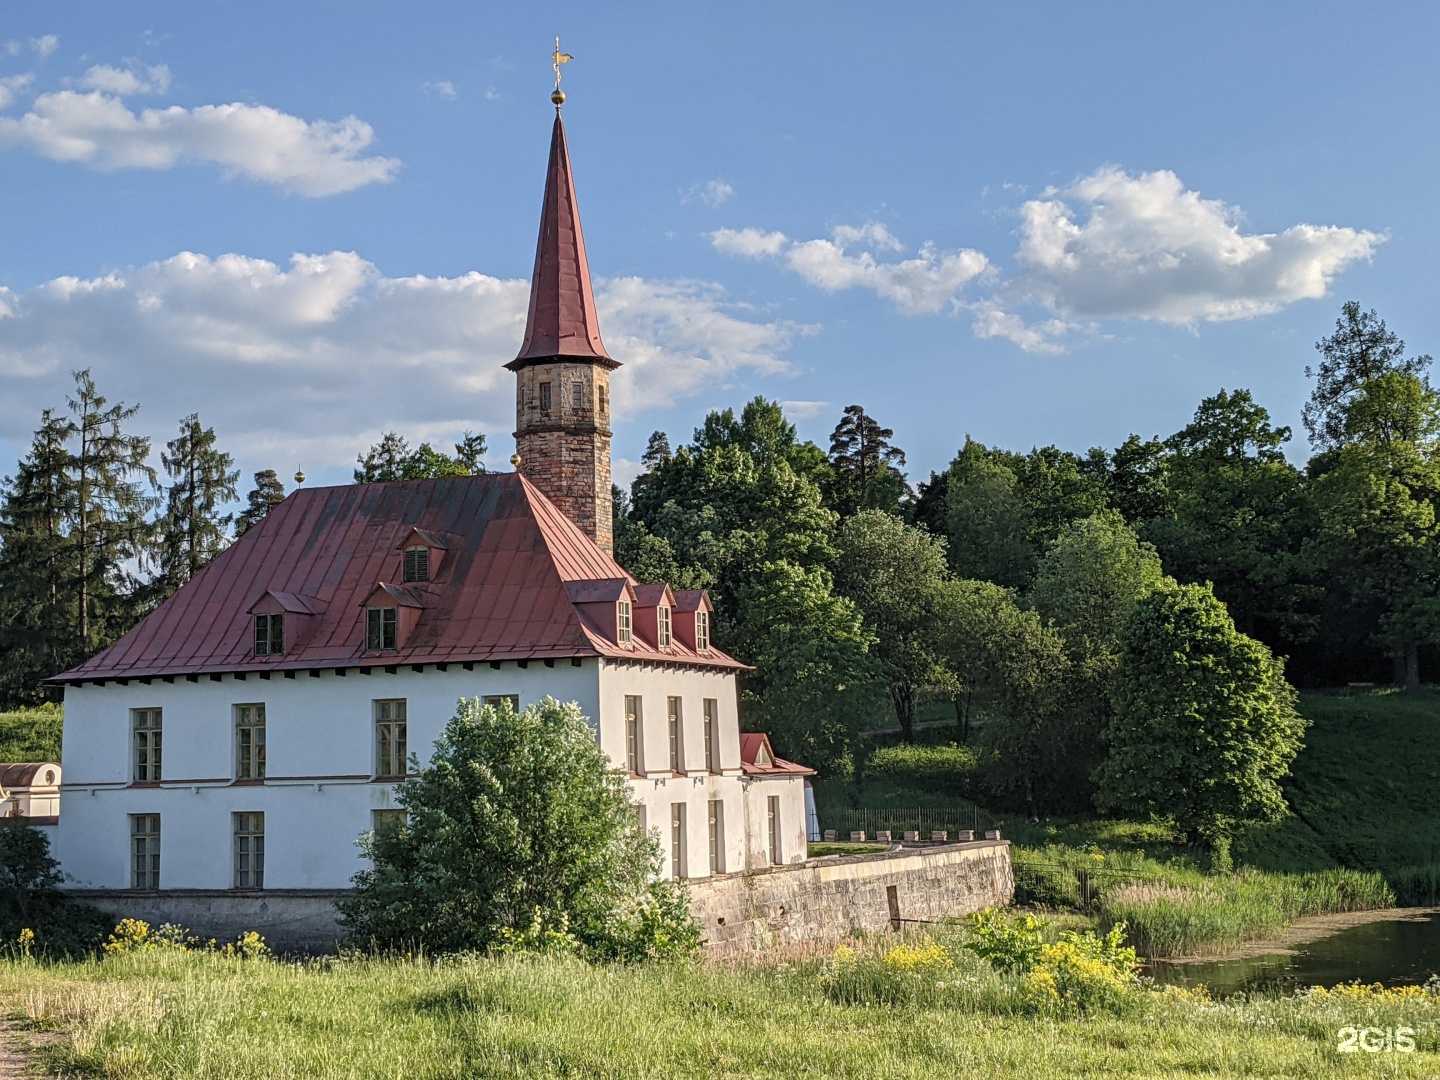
<point x="1034" y="223"/>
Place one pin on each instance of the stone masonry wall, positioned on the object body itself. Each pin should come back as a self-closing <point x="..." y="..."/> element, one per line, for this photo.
<point x="824" y="899"/>
<point x="290" y="920"/>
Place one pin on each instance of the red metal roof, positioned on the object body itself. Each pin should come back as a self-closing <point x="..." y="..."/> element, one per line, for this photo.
<point x="752" y="760"/>
<point x="502" y="592"/>
<point x="562" y="320"/>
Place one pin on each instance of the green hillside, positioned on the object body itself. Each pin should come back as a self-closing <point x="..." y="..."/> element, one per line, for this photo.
<point x="31" y="734"/>
<point x="1364" y="790"/>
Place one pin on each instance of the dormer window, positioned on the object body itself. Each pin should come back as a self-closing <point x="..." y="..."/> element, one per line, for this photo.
<point x="702" y="631"/>
<point x="269" y="635"/>
<point x="662" y="626"/>
<point x="417" y="563"/>
<point x="622" y="622"/>
<point x="382" y="629"/>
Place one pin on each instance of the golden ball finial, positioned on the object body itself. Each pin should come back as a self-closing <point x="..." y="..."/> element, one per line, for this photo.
<point x="299" y="477"/>
<point x="515" y="460"/>
<point x="558" y="97"/>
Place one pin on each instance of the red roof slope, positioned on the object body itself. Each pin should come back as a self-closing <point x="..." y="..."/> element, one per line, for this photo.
<point x="500" y="594"/>
<point x="562" y="319"/>
<point x="753" y="761"/>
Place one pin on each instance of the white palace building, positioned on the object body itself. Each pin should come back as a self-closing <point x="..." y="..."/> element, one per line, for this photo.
<point x="237" y="742"/>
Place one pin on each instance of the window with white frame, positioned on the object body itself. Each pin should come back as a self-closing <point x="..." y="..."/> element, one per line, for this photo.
<point x="250" y="742"/>
<point x="269" y="635"/>
<point x="702" y="631"/>
<point x="662" y="626"/>
<point x="634" y="737"/>
<point x="382" y="629"/>
<point x="677" y="840"/>
<point x="712" y="735"/>
<point x="145" y="745"/>
<point x="249" y="850"/>
<point x="498" y="700"/>
<point x="677" y="734"/>
<point x="622" y="622"/>
<point x="772" y="811"/>
<point x="390" y="737"/>
<point x="717" y="836"/>
<point x="145" y="851"/>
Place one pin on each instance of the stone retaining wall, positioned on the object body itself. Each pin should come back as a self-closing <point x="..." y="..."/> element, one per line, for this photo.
<point x="816" y="901"/>
<point x="824" y="899"/>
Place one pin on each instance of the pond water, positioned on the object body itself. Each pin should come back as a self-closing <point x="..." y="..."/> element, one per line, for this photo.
<point x="1393" y="952"/>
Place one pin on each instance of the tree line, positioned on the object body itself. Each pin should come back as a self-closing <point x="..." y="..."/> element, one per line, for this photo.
<point x="93" y="536"/>
<point x="1019" y="580"/>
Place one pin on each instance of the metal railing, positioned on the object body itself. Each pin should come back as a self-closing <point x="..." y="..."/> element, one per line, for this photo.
<point x="1056" y="885"/>
<point x="924" y="820"/>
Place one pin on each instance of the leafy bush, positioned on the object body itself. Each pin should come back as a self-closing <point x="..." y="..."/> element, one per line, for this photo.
<point x="137" y="936"/>
<point x="1083" y="974"/>
<point x="1007" y="944"/>
<point x="30" y="899"/>
<point x="948" y="769"/>
<point x="518" y="817"/>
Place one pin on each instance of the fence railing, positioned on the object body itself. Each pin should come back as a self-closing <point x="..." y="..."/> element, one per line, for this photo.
<point x="924" y="820"/>
<point x="1056" y="885"/>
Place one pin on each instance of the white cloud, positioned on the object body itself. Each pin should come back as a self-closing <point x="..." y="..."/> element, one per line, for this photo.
<point x="137" y="78"/>
<point x="445" y="89"/>
<point x="1117" y="245"/>
<point x="9" y="85"/>
<point x="750" y="243"/>
<point x="804" y="410"/>
<point x="307" y="363"/>
<point x="41" y="46"/>
<point x="712" y="192"/>
<point x="314" y="157"/>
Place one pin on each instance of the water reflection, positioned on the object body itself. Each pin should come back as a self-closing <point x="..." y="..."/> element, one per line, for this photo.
<point x="1391" y="952"/>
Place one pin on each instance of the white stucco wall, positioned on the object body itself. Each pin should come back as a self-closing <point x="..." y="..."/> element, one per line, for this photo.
<point x="318" y="794"/>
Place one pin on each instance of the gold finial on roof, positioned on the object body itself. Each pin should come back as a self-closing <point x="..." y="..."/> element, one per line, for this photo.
<point x="558" y="97"/>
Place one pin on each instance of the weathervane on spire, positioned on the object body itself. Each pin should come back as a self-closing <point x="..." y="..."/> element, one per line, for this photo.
<point x="558" y="97"/>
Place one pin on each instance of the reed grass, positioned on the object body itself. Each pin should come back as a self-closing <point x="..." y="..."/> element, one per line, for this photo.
<point x="184" y="1015"/>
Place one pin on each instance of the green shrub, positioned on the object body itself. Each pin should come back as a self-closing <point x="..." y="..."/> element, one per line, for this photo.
<point x="1082" y="974"/>
<point x="948" y="769"/>
<point x="1005" y="943"/>
<point x="33" y="913"/>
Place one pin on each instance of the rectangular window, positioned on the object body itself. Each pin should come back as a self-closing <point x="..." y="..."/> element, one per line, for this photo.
<point x="249" y="850"/>
<point x="390" y="751"/>
<point x="702" y="631"/>
<point x="634" y="737"/>
<point x="577" y="396"/>
<point x="417" y="564"/>
<point x="386" y="820"/>
<point x="500" y="699"/>
<point x="677" y="735"/>
<point x="146" y="726"/>
<point x="622" y="622"/>
<point x="772" y="807"/>
<point x="677" y="840"/>
<point x="712" y="735"/>
<point x="381" y="625"/>
<point x="544" y="397"/>
<point x="662" y="626"/>
<point x="604" y="399"/>
<point x="250" y="742"/>
<point x="269" y="635"/>
<point x="642" y="820"/>
<point x="144" y="851"/>
<point x="717" y="837"/>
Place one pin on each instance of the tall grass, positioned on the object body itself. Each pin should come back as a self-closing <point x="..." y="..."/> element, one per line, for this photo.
<point x="1174" y="909"/>
<point x="31" y="734"/>
<point x="170" y="1014"/>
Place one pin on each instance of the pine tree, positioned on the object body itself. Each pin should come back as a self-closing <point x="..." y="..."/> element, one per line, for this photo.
<point x="192" y="530"/>
<point x="865" y="464"/>
<point x="108" y="470"/>
<point x="267" y="494"/>
<point x="37" y="568"/>
<point x="470" y="452"/>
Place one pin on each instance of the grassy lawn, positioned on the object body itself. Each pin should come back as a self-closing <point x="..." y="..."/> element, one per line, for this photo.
<point x="164" y="1014"/>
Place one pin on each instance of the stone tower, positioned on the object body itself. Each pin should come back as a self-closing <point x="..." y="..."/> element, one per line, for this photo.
<point x="562" y="374"/>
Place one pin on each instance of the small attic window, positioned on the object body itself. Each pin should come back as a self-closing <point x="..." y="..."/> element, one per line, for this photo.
<point x="382" y="628"/>
<point x="662" y="626"/>
<point x="702" y="631"/>
<point x="417" y="563"/>
<point x="269" y="635"/>
<point x="622" y="622"/>
<point x="762" y="756"/>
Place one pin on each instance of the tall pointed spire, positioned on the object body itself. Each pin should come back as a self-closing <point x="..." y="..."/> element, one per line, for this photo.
<point x="562" y="321"/>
